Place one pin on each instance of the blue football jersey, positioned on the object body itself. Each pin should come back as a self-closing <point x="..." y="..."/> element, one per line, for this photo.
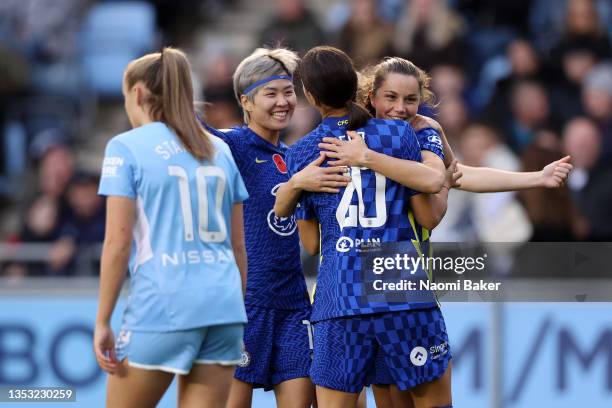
<point x="182" y="267"/>
<point x="429" y="139"/>
<point x="275" y="278"/>
<point x="371" y="209"/>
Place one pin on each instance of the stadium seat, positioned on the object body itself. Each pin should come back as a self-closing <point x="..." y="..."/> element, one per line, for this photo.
<point x="113" y="34"/>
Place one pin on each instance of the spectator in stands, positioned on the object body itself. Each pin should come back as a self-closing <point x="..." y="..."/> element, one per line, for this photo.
<point x="85" y="221"/>
<point x="55" y="163"/>
<point x="530" y="111"/>
<point x="430" y="33"/>
<point x="454" y="117"/>
<point x="221" y="111"/>
<point x="14" y="71"/>
<point x="583" y="44"/>
<point x="597" y="103"/>
<point x="523" y="59"/>
<point x="590" y="180"/>
<point x="551" y="223"/>
<point x="294" y="26"/>
<point x="49" y="211"/>
<point x="495" y="14"/>
<point x="179" y="19"/>
<point x="365" y="36"/>
<point x="71" y="230"/>
<point x="492" y="25"/>
<point x="524" y="64"/>
<point x="583" y="27"/>
<point x="47" y="31"/>
<point x="575" y="59"/>
<point x="40" y="226"/>
<point x="41" y="223"/>
<point x="448" y="80"/>
<point x="449" y="84"/>
<point x="547" y="19"/>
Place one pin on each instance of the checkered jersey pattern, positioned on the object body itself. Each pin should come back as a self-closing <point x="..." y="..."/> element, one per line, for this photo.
<point x="382" y="375"/>
<point x="430" y="139"/>
<point x="340" y="287"/>
<point x="351" y="352"/>
<point x="274" y="278"/>
<point x="400" y="334"/>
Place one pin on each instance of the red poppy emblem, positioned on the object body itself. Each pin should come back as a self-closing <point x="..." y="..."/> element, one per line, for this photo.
<point x="280" y="163"/>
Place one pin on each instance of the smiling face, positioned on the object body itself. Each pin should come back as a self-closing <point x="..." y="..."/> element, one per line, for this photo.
<point x="272" y="106"/>
<point x="398" y="97"/>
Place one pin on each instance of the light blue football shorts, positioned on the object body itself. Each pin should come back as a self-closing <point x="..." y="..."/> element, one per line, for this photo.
<point x="177" y="351"/>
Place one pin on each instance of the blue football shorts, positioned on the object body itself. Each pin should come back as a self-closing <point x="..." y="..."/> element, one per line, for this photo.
<point x="411" y="346"/>
<point x="277" y="346"/>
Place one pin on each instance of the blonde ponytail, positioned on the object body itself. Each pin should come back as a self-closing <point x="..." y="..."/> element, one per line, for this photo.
<point x="167" y="76"/>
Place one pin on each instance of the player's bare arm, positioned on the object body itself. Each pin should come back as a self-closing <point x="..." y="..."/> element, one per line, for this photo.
<point x="409" y="173"/>
<point x="489" y="180"/>
<point x="429" y="209"/>
<point x="115" y="256"/>
<point x="238" y="245"/>
<point x="310" y="235"/>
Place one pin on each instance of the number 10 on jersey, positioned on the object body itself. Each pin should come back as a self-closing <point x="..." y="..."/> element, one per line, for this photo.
<point x="203" y="202"/>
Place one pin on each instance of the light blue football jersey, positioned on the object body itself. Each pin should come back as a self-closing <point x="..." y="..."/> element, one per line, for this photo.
<point x="182" y="268"/>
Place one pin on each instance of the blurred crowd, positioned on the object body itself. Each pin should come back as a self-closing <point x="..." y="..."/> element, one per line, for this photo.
<point x="518" y="84"/>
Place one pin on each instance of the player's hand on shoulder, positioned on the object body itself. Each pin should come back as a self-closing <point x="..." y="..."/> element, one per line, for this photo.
<point x="319" y="179"/>
<point x="347" y="153"/>
<point x="555" y="174"/>
<point x="420" y="122"/>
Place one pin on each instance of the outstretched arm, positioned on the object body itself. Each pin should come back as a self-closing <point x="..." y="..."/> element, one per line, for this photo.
<point x="489" y="180"/>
